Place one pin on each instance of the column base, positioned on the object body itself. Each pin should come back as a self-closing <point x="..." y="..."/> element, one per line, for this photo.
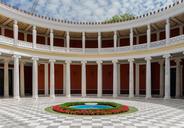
<point x="35" y="97"/>
<point x="99" y="95"/>
<point x="115" y="96"/>
<point x="6" y="96"/>
<point x="52" y="96"/>
<point x="16" y="97"/>
<point x="167" y="97"/>
<point x="131" y="96"/>
<point x="68" y="96"/>
<point x="148" y="97"/>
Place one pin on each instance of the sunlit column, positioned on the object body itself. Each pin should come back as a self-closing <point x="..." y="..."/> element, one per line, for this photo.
<point x="52" y="79"/>
<point x="16" y="94"/>
<point x="34" y="36"/>
<point x="64" y="79"/>
<point x="148" y="77"/>
<point x="2" y="31"/>
<point x="6" y="78"/>
<point x="68" y="86"/>
<point x="115" y="83"/>
<point x="148" y="35"/>
<point x="131" y="38"/>
<point x="131" y="77"/>
<point x="15" y="32"/>
<point x="167" y="76"/>
<point x="51" y="39"/>
<point x="115" y="40"/>
<point x="181" y="29"/>
<point x="99" y="41"/>
<point x="99" y="86"/>
<point x="67" y="41"/>
<point x="35" y="77"/>
<point x="83" y="42"/>
<point x="119" y="77"/>
<point x="167" y="27"/>
<point x="84" y="78"/>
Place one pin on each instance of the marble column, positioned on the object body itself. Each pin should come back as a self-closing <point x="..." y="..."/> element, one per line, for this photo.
<point x="15" y="32"/>
<point x="99" y="86"/>
<point x="52" y="78"/>
<point x="46" y="77"/>
<point x="178" y="85"/>
<point x="64" y="79"/>
<point x="119" y="77"/>
<point x="148" y="35"/>
<point x="137" y="80"/>
<point x="35" y="77"/>
<point x="99" y="41"/>
<point x="167" y="31"/>
<point x="115" y="40"/>
<point x="131" y="78"/>
<point x="16" y="93"/>
<point x="34" y="36"/>
<point x="83" y="78"/>
<point x="6" y="78"/>
<point x="161" y="78"/>
<point x="83" y="42"/>
<point x="115" y="83"/>
<point x="131" y="38"/>
<point x="68" y="82"/>
<point x="148" y="77"/>
<point x="167" y="76"/>
<point x="22" y="86"/>
<point x="67" y="41"/>
<point x="51" y="40"/>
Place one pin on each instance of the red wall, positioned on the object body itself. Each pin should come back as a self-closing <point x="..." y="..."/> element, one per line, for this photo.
<point x="8" y="33"/>
<point x="143" y="39"/>
<point x="155" y="76"/>
<point x="124" y="78"/>
<point x="28" y="80"/>
<point x="75" y="79"/>
<point x="76" y="43"/>
<point x="58" y="72"/>
<point x="142" y="79"/>
<point x="91" y="43"/>
<point x="107" y="79"/>
<point x="40" y="39"/>
<point x="153" y="37"/>
<point x="107" y="43"/>
<point x="29" y="38"/>
<point x="41" y="82"/>
<point x="21" y="36"/>
<point x="58" y="42"/>
<point x="125" y="42"/>
<point x="162" y="35"/>
<point x="91" y="79"/>
<point x="175" y="32"/>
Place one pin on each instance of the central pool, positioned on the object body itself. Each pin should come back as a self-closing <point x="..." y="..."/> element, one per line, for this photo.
<point x="91" y="107"/>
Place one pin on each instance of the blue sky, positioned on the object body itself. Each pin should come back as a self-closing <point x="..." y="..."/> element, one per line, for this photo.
<point x="89" y="10"/>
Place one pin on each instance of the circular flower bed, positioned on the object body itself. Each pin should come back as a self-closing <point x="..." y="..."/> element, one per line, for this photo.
<point x="66" y="108"/>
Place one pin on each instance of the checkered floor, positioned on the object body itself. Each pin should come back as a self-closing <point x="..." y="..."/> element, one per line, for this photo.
<point x="153" y="113"/>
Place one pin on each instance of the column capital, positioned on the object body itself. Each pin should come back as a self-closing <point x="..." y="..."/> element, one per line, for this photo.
<point x="168" y="21"/>
<point x="148" y="58"/>
<point x="115" y="33"/>
<point x="131" y="30"/>
<point x="35" y="58"/>
<point x="131" y="60"/>
<point x="67" y="33"/>
<point x="99" y="33"/>
<point x="148" y="26"/>
<point x="178" y="60"/>
<point x="83" y="61"/>
<point x="83" y="33"/>
<point x="52" y="60"/>
<point x="166" y="56"/>
<point x="68" y="61"/>
<point x="15" y="22"/>
<point x="34" y="27"/>
<point x="6" y="60"/>
<point x="51" y="30"/>
<point x="161" y="62"/>
<point x="114" y="61"/>
<point x="99" y="61"/>
<point x="16" y="56"/>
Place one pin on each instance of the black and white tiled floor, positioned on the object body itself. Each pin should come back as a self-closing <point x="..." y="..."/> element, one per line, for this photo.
<point x="153" y="113"/>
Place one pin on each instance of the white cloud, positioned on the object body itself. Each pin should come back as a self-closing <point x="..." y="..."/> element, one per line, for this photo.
<point x="89" y="10"/>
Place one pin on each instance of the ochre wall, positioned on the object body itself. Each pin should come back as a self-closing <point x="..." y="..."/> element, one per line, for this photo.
<point x="75" y="73"/>
<point x="124" y="78"/>
<point x="107" y="79"/>
<point x="91" y="79"/>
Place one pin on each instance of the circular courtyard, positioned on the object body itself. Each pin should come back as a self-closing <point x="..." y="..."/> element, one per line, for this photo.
<point x="152" y="113"/>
